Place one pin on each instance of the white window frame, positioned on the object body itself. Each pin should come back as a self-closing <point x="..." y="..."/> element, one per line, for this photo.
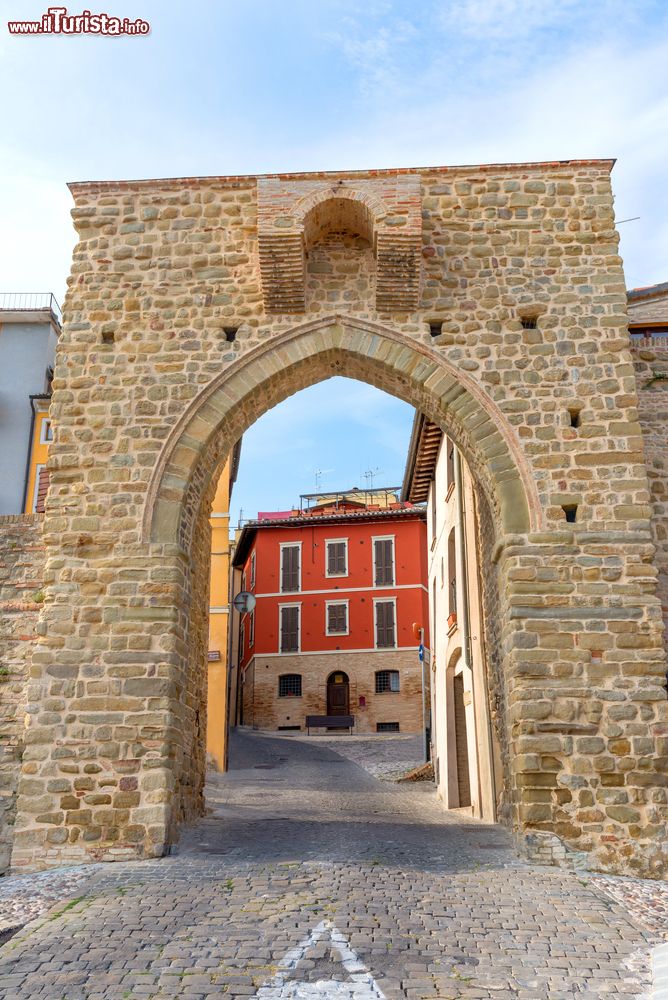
<point x="46" y="423"/>
<point x="384" y="600"/>
<point x="384" y="538"/>
<point x="327" y="605"/>
<point x="288" y="545"/>
<point x="35" y="491"/>
<point x="335" y="541"/>
<point x="252" y="570"/>
<point x="242" y="641"/>
<point x="251" y="629"/>
<point x="292" y="652"/>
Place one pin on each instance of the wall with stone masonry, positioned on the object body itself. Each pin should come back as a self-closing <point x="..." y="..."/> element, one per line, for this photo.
<point x="150" y="395"/>
<point x="267" y="711"/>
<point x="21" y="568"/>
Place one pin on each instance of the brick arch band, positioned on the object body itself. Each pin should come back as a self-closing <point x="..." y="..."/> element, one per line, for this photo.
<point x="199" y="443"/>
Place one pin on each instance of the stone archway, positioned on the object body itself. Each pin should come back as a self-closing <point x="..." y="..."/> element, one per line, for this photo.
<point x="503" y="311"/>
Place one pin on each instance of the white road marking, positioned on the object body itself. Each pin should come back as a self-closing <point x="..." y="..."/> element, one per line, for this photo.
<point x="360" y="984"/>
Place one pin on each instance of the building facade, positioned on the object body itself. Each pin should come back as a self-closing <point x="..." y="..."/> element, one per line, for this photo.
<point x="338" y="590"/>
<point x="219" y="612"/>
<point x="464" y="751"/>
<point x="29" y="330"/>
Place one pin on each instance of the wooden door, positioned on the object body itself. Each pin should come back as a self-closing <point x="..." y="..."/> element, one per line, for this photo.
<point x="461" y="744"/>
<point x="338" y="701"/>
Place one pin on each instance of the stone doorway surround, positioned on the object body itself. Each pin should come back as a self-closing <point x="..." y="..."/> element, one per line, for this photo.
<point x="175" y="342"/>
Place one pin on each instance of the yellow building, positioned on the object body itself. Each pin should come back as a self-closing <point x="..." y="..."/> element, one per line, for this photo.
<point x="37" y="479"/>
<point x="219" y="611"/>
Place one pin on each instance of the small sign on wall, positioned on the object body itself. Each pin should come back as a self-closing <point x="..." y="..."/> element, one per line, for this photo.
<point x="214" y="654"/>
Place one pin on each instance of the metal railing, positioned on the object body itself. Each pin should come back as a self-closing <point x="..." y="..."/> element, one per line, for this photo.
<point x="656" y="337"/>
<point x="31" y="302"/>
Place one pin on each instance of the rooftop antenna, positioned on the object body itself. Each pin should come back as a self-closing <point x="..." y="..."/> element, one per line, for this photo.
<point x="318" y="479"/>
<point x="369" y="476"/>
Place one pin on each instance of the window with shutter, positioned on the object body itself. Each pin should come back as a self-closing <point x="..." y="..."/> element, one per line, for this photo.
<point x="290" y="629"/>
<point x="337" y="557"/>
<point x="383" y="562"/>
<point x="385" y="628"/>
<point x="289" y="568"/>
<point x="337" y="619"/>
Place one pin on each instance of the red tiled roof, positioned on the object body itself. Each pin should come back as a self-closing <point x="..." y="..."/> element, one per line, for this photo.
<point x="248" y="531"/>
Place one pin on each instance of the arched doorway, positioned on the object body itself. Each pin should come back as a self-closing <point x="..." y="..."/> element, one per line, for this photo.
<point x="338" y="693"/>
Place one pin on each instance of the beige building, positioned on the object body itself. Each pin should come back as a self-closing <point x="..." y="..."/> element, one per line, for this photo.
<point x="462" y="742"/>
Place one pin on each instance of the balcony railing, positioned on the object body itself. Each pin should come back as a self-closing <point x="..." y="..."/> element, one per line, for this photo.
<point x="31" y="302"/>
<point x="656" y="337"/>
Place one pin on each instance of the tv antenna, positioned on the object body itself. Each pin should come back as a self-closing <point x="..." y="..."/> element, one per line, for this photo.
<point x="369" y="476"/>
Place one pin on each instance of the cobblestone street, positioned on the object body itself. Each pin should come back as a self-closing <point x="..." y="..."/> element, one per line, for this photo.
<point x="309" y="876"/>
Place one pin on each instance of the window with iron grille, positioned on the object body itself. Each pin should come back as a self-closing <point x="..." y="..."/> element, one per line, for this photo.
<point x="387" y="680"/>
<point x="289" y="627"/>
<point x="387" y="727"/>
<point x="383" y="562"/>
<point x="337" y="557"/>
<point x="337" y="619"/>
<point x="290" y="686"/>
<point x="385" y="625"/>
<point x="290" y="558"/>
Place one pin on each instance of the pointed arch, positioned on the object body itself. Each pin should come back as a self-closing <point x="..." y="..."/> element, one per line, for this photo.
<point x="198" y="444"/>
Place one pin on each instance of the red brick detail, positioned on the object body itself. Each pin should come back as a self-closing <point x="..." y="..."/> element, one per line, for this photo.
<point x="42" y="490"/>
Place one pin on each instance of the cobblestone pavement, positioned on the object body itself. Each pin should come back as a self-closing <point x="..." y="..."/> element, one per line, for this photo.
<point x="309" y="877"/>
<point x="386" y="757"/>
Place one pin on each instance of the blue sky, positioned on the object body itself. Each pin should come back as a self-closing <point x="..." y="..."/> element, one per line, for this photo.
<point x="340" y="429"/>
<point x="260" y="85"/>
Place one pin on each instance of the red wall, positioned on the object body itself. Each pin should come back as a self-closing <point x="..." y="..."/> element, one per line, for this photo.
<point x="410" y="549"/>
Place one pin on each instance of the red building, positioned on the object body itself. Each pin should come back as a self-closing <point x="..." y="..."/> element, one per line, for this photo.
<point x="338" y="589"/>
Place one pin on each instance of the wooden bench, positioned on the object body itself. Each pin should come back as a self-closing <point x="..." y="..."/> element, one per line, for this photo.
<point x="329" y="722"/>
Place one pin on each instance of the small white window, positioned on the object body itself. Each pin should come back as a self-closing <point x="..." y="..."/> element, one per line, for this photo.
<point x="385" y="615"/>
<point x="46" y="432"/>
<point x="290" y="567"/>
<point x="383" y="561"/>
<point x="336" y="557"/>
<point x="337" y="617"/>
<point x="252" y="571"/>
<point x="251" y="629"/>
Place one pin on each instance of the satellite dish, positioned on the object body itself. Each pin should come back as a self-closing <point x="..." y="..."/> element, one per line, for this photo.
<point x="244" y="601"/>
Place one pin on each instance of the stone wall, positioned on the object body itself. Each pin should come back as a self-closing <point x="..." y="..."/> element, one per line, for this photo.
<point x="21" y="569"/>
<point x="263" y="709"/>
<point x="498" y="308"/>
